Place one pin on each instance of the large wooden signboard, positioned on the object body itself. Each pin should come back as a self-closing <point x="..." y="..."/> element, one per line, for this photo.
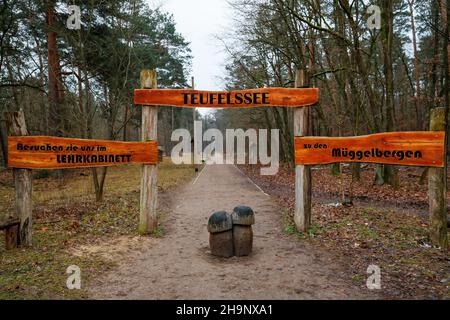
<point x="42" y="152"/>
<point x="422" y="148"/>
<point x="269" y="97"/>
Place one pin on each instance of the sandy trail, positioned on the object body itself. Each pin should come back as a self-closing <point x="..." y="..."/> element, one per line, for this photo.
<point x="179" y="265"/>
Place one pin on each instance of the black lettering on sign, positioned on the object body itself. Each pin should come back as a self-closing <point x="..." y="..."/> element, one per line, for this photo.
<point x="229" y="98"/>
<point x="416" y="148"/>
<point x="43" y="152"/>
<point x="93" y="158"/>
<point x="375" y="153"/>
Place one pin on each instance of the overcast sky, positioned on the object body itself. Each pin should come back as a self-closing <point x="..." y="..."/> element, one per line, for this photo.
<point x="199" y="21"/>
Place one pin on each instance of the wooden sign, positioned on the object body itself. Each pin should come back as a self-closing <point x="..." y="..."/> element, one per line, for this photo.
<point x="272" y="97"/>
<point x="421" y="148"/>
<point x="41" y="152"/>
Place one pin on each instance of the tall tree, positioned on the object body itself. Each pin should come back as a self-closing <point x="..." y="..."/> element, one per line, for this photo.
<point x="55" y="85"/>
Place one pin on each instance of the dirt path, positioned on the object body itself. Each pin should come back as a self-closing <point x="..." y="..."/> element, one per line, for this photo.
<point x="179" y="265"/>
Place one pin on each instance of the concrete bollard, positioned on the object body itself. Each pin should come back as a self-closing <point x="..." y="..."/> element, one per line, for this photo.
<point x="243" y="218"/>
<point x="220" y="227"/>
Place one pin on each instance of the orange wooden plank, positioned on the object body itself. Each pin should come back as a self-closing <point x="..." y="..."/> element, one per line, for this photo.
<point x="421" y="148"/>
<point x="42" y="152"/>
<point x="274" y="97"/>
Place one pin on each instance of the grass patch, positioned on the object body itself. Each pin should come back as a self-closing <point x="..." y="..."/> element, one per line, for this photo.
<point x="358" y="278"/>
<point x="159" y="232"/>
<point x="289" y="228"/>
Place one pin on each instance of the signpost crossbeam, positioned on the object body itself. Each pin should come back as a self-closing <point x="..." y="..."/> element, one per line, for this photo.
<point x="416" y="148"/>
<point x="44" y="152"/>
<point x="264" y="97"/>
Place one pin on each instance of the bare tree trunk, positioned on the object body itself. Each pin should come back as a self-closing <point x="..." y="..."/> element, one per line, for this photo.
<point x="445" y="13"/>
<point x="445" y="7"/>
<point x="125" y="126"/>
<point x="437" y="189"/>
<point x="361" y="66"/>
<point x="54" y="74"/>
<point x="99" y="183"/>
<point x="3" y="142"/>
<point x="433" y="80"/>
<point x="22" y="182"/>
<point x="417" y="93"/>
<point x="389" y="172"/>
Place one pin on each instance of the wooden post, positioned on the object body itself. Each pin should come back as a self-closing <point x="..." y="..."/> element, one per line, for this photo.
<point x="11" y="227"/>
<point x="193" y="145"/>
<point x="3" y="141"/>
<point x="149" y="181"/>
<point x="302" y="214"/>
<point x="15" y="122"/>
<point x="437" y="189"/>
<point x="11" y="237"/>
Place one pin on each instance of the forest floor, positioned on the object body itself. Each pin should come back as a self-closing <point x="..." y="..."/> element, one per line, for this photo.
<point x="385" y="226"/>
<point x="180" y="265"/>
<point x="70" y="228"/>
